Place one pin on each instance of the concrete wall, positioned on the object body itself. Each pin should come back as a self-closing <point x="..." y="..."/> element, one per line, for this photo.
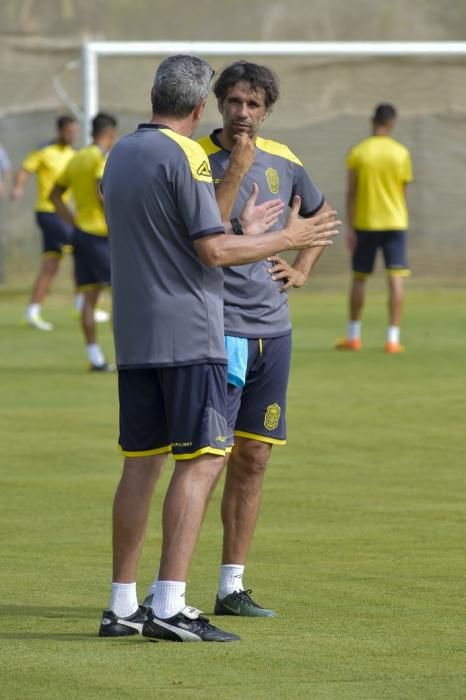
<point x="324" y="107"/>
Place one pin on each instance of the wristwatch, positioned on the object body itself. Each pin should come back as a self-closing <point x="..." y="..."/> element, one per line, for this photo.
<point x="236" y="227"/>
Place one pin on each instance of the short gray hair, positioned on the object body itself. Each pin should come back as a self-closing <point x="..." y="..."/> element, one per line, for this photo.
<point x="180" y="84"/>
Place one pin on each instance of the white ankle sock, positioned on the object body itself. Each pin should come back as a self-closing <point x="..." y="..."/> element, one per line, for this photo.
<point x="124" y="600"/>
<point x="393" y="334"/>
<point x="79" y="302"/>
<point x="95" y="354"/>
<point x="169" y="598"/>
<point x="354" y="330"/>
<point x="33" y="310"/>
<point x="230" y="580"/>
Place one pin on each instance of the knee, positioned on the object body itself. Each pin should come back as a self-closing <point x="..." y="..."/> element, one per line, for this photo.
<point x="207" y="468"/>
<point x="144" y="469"/>
<point x="250" y="459"/>
<point x="50" y="266"/>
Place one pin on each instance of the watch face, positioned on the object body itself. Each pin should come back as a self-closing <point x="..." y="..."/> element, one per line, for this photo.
<point x="236" y="227"/>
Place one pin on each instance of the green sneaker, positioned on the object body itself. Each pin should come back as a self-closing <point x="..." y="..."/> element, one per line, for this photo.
<point x="241" y="603"/>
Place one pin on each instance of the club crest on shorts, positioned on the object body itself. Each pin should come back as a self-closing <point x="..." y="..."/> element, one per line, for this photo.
<point x="272" y="416"/>
<point x="273" y="180"/>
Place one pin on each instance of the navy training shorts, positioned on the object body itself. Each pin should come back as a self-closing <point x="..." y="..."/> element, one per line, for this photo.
<point x="56" y="233"/>
<point x="91" y="260"/>
<point x="173" y="409"/>
<point x="393" y="246"/>
<point x="257" y="410"/>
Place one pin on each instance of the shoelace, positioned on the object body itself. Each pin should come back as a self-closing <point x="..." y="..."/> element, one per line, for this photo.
<point x="205" y="622"/>
<point x="244" y="595"/>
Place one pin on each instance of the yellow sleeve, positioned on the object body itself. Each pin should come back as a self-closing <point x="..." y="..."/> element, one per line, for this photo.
<point x="31" y="162"/>
<point x="100" y="167"/>
<point x="408" y="169"/>
<point x="352" y="159"/>
<point x="63" y="180"/>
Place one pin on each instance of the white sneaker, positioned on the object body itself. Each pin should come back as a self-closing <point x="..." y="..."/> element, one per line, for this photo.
<point x="101" y="316"/>
<point x="36" y="321"/>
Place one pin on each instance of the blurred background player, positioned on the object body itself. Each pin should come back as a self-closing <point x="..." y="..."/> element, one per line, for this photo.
<point x="379" y="168"/>
<point x="47" y="162"/>
<point x="5" y="174"/>
<point x="82" y="178"/>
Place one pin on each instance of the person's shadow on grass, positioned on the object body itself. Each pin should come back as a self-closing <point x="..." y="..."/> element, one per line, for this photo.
<point x="23" y="622"/>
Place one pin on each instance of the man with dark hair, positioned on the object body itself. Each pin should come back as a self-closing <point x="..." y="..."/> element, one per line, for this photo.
<point x="379" y="168"/>
<point x="167" y="243"/>
<point x="47" y="162"/>
<point x="257" y="322"/>
<point x="92" y="262"/>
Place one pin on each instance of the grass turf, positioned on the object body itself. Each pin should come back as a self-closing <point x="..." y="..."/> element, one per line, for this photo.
<point x="360" y="544"/>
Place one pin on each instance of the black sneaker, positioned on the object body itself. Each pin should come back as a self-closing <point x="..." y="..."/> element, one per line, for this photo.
<point x="106" y="367"/>
<point x="240" y="603"/>
<point x="187" y="626"/>
<point x="113" y="626"/>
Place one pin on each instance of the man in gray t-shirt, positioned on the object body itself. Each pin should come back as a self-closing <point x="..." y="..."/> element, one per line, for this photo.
<point x="167" y="243"/>
<point x="256" y="309"/>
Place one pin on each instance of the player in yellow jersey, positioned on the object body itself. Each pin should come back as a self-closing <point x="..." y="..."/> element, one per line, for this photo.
<point x="47" y="162"/>
<point x="379" y="169"/>
<point x="82" y="177"/>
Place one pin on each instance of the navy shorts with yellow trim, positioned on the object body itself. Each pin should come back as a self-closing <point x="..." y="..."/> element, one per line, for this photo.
<point x="91" y="260"/>
<point x="56" y="233"/>
<point x="257" y="410"/>
<point x="393" y="246"/>
<point x="173" y="409"/>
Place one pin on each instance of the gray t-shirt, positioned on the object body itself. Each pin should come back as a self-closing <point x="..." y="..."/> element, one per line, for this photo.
<point x="254" y="306"/>
<point x="158" y="198"/>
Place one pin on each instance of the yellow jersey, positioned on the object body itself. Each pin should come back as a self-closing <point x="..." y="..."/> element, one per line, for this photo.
<point x="47" y="163"/>
<point x="383" y="167"/>
<point x="81" y="176"/>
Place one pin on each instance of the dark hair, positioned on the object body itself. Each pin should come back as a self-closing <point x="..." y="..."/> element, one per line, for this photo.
<point x="259" y="78"/>
<point x="101" y="122"/>
<point x="64" y="120"/>
<point x="383" y="114"/>
<point x="180" y="84"/>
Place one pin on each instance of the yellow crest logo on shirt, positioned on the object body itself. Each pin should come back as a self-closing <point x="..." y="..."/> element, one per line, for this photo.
<point x="204" y="169"/>
<point x="272" y="416"/>
<point x="273" y="180"/>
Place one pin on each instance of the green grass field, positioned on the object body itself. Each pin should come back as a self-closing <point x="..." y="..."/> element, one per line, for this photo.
<point x="360" y="545"/>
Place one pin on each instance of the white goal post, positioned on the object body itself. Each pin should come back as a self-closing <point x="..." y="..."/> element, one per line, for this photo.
<point x="91" y="50"/>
